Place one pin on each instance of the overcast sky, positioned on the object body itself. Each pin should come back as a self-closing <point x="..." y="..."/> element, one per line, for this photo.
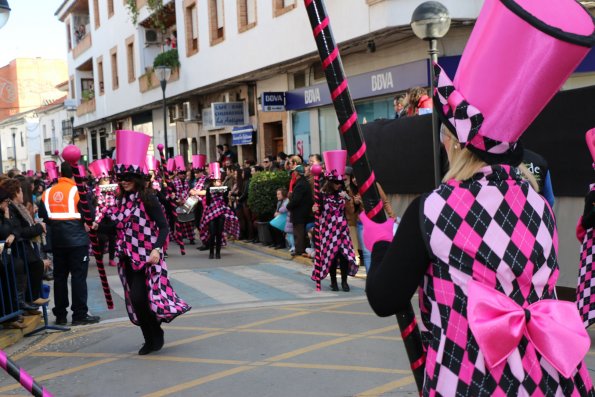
<point x="32" y="31"/>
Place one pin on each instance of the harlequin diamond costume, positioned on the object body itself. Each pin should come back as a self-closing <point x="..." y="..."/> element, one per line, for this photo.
<point x="105" y="199"/>
<point x="198" y="166"/>
<point x="483" y="250"/>
<point x="335" y="247"/>
<point x="184" y="224"/>
<point x="142" y="231"/>
<point x="172" y="204"/>
<point x="585" y="232"/>
<point x="218" y="219"/>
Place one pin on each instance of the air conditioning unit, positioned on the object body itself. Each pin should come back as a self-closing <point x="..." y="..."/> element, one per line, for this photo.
<point x="178" y="112"/>
<point x="191" y="111"/>
<point x="152" y="36"/>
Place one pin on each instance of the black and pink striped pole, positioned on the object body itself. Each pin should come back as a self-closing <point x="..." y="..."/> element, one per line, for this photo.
<point x="72" y="154"/>
<point x="23" y="377"/>
<point x="316" y="170"/>
<point x="356" y="148"/>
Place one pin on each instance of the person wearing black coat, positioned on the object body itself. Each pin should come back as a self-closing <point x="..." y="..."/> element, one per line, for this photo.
<point x="300" y="206"/>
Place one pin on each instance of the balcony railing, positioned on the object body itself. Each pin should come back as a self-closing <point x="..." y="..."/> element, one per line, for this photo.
<point x="86" y="107"/>
<point x="149" y="80"/>
<point x="83" y="45"/>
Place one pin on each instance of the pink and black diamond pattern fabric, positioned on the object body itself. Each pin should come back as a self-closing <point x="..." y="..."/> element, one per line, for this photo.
<point x="214" y="210"/>
<point x="136" y="236"/>
<point x="334" y="237"/>
<point x="585" y="291"/>
<point x="495" y="229"/>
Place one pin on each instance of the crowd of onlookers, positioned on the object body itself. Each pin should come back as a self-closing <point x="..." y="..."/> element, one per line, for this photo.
<point x="23" y="246"/>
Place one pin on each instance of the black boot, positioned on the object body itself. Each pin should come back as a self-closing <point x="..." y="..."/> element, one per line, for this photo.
<point x="158" y="339"/>
<point x="211" y="252"/>
<point x="218" y="252"/>
<point x="345" y="286"/>
<point x="334" y="286"/>
<point x="148" y="345"/>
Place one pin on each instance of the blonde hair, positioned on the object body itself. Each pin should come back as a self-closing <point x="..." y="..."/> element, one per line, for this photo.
<point x="464" y="163"/>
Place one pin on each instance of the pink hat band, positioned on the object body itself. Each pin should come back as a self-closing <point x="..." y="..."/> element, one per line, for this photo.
<point x="131" y="151"/>
<point x="199" y="161"/>
<point x="335" y="162"/>
<point x="518" y="56"/>
<point x="214" y="171"/>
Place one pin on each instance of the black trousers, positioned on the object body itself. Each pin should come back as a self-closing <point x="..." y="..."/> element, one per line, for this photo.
<point x="343" y="264"/>
<point x="299" y="234"/>
<point x="72" y="261"/>
<point x="139" y="298"/>
<point x="216" y="231"/>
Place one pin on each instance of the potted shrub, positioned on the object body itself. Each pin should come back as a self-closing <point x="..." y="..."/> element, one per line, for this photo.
<point x="262" y="199"/>
<point x="167" y="58"/>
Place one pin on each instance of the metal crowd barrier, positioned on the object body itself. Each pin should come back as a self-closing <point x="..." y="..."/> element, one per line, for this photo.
<point x="9" y="304"/>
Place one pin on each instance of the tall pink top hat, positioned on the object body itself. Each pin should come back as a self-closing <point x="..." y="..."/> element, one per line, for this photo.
<point x="180" y="163"/>
<point x="52" y="170"/>
<point x="131" y="152"/>
<point x="335" y="162"/>
<point x="151" y="163"/>
<point x="199" y="161"/>
<point x="214" y="171"/>
<point x="100" y="168"/>
<point x="171" y="164"/>
<point x="518" y="56"/>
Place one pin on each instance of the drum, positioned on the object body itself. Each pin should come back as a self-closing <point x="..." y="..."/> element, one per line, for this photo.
<point x="188" y="206"/>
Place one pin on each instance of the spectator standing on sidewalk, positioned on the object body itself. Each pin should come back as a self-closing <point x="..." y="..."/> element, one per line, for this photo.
<point x="70" y="247"/>
<point x="300" y="208"/>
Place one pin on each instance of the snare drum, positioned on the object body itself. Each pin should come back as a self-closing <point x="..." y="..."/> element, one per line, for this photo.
<point x="188" y="206"/>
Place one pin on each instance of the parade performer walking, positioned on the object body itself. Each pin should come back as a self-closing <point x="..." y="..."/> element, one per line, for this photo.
<point x="184" y="224"/>
<point x="200" y="179"/>
<point x="218" y="219"/>
<point x="334" y="243"/>
<point x="142" y="231"/>
<point x="482" y="247"/>
<point x="105" y="198"/>
<point x="585" y="232"/>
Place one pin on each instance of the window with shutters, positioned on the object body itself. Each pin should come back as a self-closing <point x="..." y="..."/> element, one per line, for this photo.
<point x="281" y="7"/>
<point x="246" y="15"/>
<point x="191" y="26"/>
<point x="216" y="21"/>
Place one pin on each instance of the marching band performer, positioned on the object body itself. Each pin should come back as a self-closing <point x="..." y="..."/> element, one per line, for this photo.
<point x="184" y="228"/>
<point x="217" y="218"/>
<point x="200" y="179"/>
<point x="105" y="198"/>
<point x="483" y="247"/>
<point x="334" y="242"/>
<point x="142" y="230"/>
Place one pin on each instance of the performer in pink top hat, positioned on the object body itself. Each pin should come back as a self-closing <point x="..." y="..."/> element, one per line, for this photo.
<point x="105" y="200"/>
<point x="184" y="224"/>
<point x="142" y="230"/>
<point x="218" y="219"/>
<point x="334" y="247"/>
<point x="197" y="184"/>
<point x="52" y="172"/>
<point x="481" y="249"/>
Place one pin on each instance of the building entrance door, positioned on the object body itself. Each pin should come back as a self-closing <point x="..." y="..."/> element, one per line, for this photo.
<point x="273" y="138"/>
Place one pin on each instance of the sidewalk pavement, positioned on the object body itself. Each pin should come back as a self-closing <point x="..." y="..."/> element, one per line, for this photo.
<point x="284" y="254"/>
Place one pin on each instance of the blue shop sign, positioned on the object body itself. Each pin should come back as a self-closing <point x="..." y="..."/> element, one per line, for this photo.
<point x="228" y="114"/>
<point x="379" y="82"/>
<point x="273" y="101"/>
<point x="242" y="135"/>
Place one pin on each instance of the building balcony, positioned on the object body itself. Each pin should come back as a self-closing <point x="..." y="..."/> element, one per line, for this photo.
<point x="83" y="45"/>
<point x="149" y="80"/>
<point x="86" y="107"/>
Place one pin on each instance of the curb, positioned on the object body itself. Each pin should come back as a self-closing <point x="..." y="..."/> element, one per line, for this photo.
<point x="283" y="254"/>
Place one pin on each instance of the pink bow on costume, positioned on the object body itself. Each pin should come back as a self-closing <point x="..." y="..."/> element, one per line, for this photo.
<point x="553" y="327"/>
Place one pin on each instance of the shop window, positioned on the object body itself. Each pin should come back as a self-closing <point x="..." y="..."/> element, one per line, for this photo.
<point x="301" y="133"/>
<point x="246" y="15"/>
<point x="329" y="129"/>
<point x="381" y="108"/>
<point x="191" y="27"/>
<point x="281" y="7"/>
<point x="130" y="58"/>
<point x="216" y="21"/>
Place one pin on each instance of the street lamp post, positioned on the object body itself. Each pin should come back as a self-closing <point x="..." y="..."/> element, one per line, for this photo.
<point x="430" y="21"/>
<point x="4" y="12"/>
<point x="14" y="146"/>
<point x="163" y="73"/>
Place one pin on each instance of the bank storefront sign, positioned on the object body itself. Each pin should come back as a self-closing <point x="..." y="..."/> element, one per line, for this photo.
<point x="273" y="101"/>
<point x="379" y="82"/>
